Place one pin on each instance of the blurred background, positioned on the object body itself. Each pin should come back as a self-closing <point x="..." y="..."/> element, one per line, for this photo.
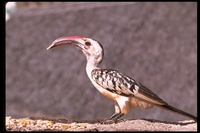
<point x="154" y="43"/>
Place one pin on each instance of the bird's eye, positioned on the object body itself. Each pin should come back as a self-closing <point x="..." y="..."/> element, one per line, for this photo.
<point x="87" y="43"/>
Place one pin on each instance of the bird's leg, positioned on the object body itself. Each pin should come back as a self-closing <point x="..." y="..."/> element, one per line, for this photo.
<point x="117" y="114"/>
<point x="113" y="119"/>
<point x="117" y="111"/>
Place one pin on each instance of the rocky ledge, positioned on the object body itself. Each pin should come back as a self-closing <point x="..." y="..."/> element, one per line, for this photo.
<point x="46" y="124"/>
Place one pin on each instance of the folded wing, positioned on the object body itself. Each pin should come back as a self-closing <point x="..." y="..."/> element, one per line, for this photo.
<point x="121" y="84"/>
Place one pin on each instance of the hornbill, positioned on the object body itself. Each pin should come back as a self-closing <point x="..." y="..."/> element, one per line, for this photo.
<point x="124" y="91"/>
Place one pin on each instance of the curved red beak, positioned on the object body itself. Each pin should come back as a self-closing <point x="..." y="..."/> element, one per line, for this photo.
<point x="68" y="40"/>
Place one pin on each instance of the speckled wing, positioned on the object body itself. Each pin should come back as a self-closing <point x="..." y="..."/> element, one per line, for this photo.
<point x="121" y="84"/>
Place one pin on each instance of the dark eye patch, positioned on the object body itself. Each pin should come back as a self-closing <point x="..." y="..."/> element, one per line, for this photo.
<point x="87" y="43"/>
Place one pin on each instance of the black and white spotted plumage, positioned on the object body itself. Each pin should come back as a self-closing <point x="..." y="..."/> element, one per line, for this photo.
<point x="122" y="84"/>
<point x="125" y="92"/>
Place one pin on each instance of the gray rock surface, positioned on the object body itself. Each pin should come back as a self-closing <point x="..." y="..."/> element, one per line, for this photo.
<point x="154" y="43"/>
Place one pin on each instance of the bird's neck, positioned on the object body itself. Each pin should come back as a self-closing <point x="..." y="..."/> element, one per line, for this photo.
<point x="91" y="65"/>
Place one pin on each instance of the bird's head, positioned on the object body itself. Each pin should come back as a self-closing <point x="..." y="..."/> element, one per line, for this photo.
<point x="92" y="49"/>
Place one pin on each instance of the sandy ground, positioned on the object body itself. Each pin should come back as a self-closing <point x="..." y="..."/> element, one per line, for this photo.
<point x="46" y="124"/>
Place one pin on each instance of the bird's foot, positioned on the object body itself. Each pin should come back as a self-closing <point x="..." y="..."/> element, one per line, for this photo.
<point x="115" y="117"/>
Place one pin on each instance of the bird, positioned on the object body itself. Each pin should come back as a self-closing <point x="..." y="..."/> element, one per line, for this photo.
<point x="124" y="91"/>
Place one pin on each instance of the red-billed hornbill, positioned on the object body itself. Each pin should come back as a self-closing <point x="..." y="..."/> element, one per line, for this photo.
<point x="125" y="92"/>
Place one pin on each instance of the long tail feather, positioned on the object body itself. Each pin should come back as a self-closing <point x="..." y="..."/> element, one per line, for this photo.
<point x="170" y="108"/>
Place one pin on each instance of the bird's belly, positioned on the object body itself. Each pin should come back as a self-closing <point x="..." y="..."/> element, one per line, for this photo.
<point x="110" y="95"/>
<point x="135" y="102"/>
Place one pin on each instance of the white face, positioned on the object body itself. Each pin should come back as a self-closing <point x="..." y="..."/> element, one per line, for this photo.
<point x="93" y="50"/>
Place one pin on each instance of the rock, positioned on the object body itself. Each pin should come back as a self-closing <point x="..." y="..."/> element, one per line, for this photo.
<point x="45" y="124"/>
